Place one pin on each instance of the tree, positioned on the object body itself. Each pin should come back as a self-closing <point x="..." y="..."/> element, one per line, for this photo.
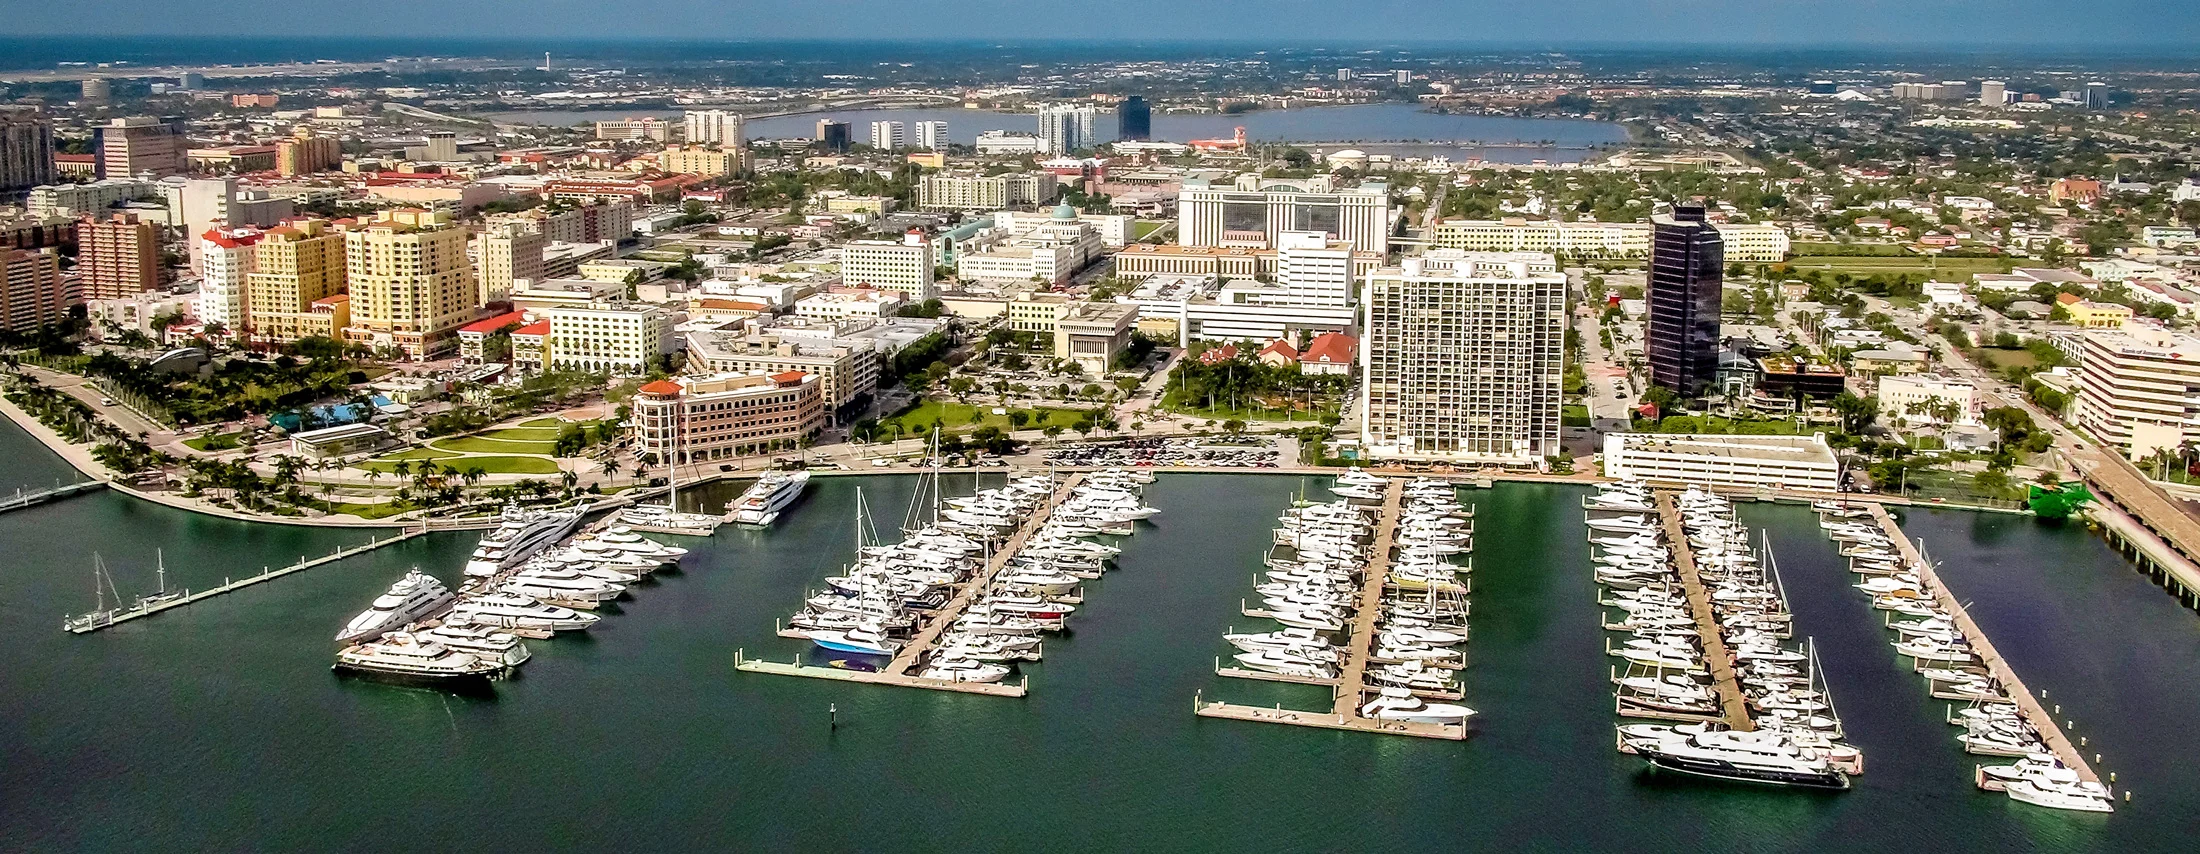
<point x="1017" y="418"/>
<point x="1856" y="412"/>
<point x="1233" y="426"/>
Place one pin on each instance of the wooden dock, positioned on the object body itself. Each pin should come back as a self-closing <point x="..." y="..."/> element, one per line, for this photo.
<point x="797" y="668"/>
<point x="2028" y="704"/>
<point x="1329" y="720"/>
<point x="94" y="622"/>
<point x="907" y="656"/>
<point x="1716" y="658"/>
<point x="1352" y="680"/>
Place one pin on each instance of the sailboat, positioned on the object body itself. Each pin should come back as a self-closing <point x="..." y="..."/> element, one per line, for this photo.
<point x="101" y="614"/>
<point x="163" y="594"/>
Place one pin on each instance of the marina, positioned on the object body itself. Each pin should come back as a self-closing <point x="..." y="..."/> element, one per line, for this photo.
<point x="101" y="617"/>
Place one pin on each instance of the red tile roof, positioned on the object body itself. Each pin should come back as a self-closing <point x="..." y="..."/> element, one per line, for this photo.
<point x="1281" y="347"/>
<point x="493" y="324"/>
<point x="537" y="329"/>
<point x="1331" y="347"/>
<point x="236" y="239"/>
<point x="665" y="388"/>
<point x="788" y="377"/>
<point x="1215" y="355"/>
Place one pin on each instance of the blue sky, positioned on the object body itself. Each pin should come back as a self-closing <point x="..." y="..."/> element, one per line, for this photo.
<point x="1524" y="23"/>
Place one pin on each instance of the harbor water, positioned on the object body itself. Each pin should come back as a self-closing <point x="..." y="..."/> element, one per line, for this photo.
<point x="220" y="725"/>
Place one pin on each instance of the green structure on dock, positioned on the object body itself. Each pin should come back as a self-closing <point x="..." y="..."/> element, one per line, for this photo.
<point x="2057" y="502"/>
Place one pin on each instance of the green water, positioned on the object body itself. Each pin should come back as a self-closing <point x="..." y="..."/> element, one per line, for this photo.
<point x="221" y="727"/>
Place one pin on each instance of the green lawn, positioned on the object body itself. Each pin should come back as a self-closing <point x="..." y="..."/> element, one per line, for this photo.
<point x="1574" y="415"/>
<point x="1852" y="250"/>
<point x="1868" y="265"/>
<point x="2005" y="359"/>
<point x="214" y="442"/>
<point x="378" y="510"/>
<point x="958" y="417"/>
<point x="1141" y="228"/>
<point x="492" y="465"/>
<point x="551" y="422"/>
<point x="491" y="445"/>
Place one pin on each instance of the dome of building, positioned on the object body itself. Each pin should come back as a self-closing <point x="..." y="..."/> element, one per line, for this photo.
<point x="1064" y="212"/>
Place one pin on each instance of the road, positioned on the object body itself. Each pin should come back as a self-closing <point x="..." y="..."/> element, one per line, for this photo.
<point x="1608" y="408"/>
<point x="121" y="416"/>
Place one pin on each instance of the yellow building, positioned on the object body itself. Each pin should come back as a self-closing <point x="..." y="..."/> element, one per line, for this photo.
<point x="295" y="266"/>
<point x="305" y="153"/>
<point x="2087" y="314"/>
<point x="705" y="160"/>
<point x="411" y="285"/>
<point x="1037" y="312"/>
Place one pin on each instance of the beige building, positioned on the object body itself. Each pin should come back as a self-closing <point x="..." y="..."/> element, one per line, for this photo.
<point x="1462" y="358"/>
<point x="135" y="145"/>
<point x="1724" y="461"/>
<point x="31" y="290"/>
<point x="296" y="268"/>
<point x="620" y="338"/>
<point x="904" y="266"/>
<point x="304" y="152"/>
<point x="411" y="286"/>
<point x="1031" y="311"/>
<point x="707" y="161"/>
<point x="506" y="251"/>
<point x="1755" y="243"/>
<point x="845" y="373"/>
<point x="2139" y="388"/>
<point x="727" y="415"/>
<point x="1606" y="240"/>
<point x="588" y="223"/>
<point x="984" y="192"/>
<point x="117" y="256"/>
<point x="1928" y="399"/>
<point x="1092" y="333"/>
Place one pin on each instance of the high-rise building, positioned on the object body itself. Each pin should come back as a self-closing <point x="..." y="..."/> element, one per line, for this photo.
<point x="134" y="145"/>
<point x="1134" y="119"/>
<point x="297" y="267"/>
<point x="1064" y="128"/>
<point x="31" y="292"/>
<point x="96" y="90"/>
<point x="442" y="146"/>
<point x="1462" y="357"/>
<point x="191" y="81"/>
<point x="2136" y="388"/>
<point x="1993" y="93"/>
<point x="1403" y="77"/>
<point x="2096" y="95"/>
<point x="714" y="127"/>
<point x="1345" y="74"/>
<point x="225" y="269"/>
<point x="708" y="161"/>
<point x="117" y="256"/>
<point x="411" y="287"/>
<point x="1682" y="333"/>
<point x="1254" y="211"/>
<point x="904" y="266"/>
<point x="931" y="136"/>
<point x="832" y="135"/>
<point x="304" y="152"/>
<point x="507" y="251"/>
<point x="984" y="192"/>
<point x="620" y="338"/>
<point x="886" y="136"/>
<point x="200" y="204"/>
<point x="26" y="149"/>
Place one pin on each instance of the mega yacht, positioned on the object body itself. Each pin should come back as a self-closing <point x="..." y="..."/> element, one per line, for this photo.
<point x="402" y="656"/>
<point x="1746" y="757"/>
<point x="959" y="669"/>
<point x="867" y="639"/>
<point x="499" y="646"/>
<point x="520" y="536"/>
<point x="513" y="611"/>
<point x="413" y="597"/>
<point x="771" y="493"/>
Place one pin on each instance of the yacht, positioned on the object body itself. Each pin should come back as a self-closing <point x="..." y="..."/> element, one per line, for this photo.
<point x="1399" y="704"/>
<point x="513" y="611"/>
<point x="1745" y="757"/>
<point x="958" y="669"/>
<point x="760" y="505"/>
<point x="414" y="597"/>
<point x="867" y="639"/>
<point x="491" y="644"/>
<point x="520" y="536"/>
<point x="1288" y="663"/>
<point x="2060" y="789"/>
<point x="405" y="657"/>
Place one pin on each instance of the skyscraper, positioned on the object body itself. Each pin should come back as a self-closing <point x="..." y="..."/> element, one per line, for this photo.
<point x="1134" y="119"/>
<point x="931" y="136"/>
<point x="2096" y="95"/>
<point x="137" y="144"/>
<point x="1682" y="334"/>
<point x="507" y="251"/>
<point x="31" y="292"/>
<point x="26" y="149"/>
<point x="1462" y="357"/>
<point x="886" y="136"/>
<point x="411" y="288"/>
<point x="714" y="127"/>
<point x="1064" y="128"/>
<point x="1993" y="93"/>
<point x="225" y="267"/>
<point x="832" y="135"/>
<point x="295" y="265"/>
<point x="117" y="257"/>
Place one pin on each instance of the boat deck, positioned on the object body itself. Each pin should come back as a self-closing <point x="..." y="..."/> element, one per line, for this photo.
<point x="1716" y="657"/>
<point x="2028" y="704"/>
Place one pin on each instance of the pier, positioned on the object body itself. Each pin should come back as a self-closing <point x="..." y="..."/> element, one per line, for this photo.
<point x="1350" y="686"/>
<point x="21" y="500"/>
<point x="896" y="672"/>
<point x="2028" y="704"/>
<point x="1716" y="657"/>
<point x="97" y="620"/>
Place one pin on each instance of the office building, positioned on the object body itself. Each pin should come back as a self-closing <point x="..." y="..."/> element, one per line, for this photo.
<point x="2096" y="95"/>
<point x="1254" y="210"/>
<point x="1092" y="334"/>
<point x="2139" y="388"/>
<point x="96" y="90"/>
<point x="1575" y="240"/>
<point x="833" y="136"/>
<point x="296" y="288"/>
<point x="904" y="266"/>
<point x="645" y="128"/>
<point x="886" y="136"/>
<point x="973" y="192"/>
<point x="411" y="286"/>
<point x="620" y="338"/>
<point x="442" y="146"/>
<point x="1754" y="242"/>
<point x="727" y="415"/>
<point x="931" y="136"/>
<point x="1928" y="399"/>
<point x="1462" y="358"/>
<point x="723" y="128"/>
<point x="31" y="291"/>
<point x="506" y="251"/>
<point x="1724" y="461"/>
<point x="1006" y="142"/>
<point x="225" y="265"/>
<point x="26" y="149"/>
<point x="1993" y="93"/>
<point x="588" y="223"/>
<point x="1134" y="119"/>
<point x="1402" y="77"/>
<point x="1682" y="331"/>
<point x="117" y="256"/>
<point x="1051" y="252"/>
<point x="305" y="152"/>
<point x="191" y="81"/>
<point x="1064" y="128"/>
<point x="707" y="161"/>
<point x="847" y="371"/>
<point x="93" y="199"/>
<point x="134" y="146"/>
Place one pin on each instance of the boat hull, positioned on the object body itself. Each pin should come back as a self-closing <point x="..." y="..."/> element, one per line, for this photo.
<point x="1831" y="780"/>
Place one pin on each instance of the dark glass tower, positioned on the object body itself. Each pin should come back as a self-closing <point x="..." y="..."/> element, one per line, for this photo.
<point x="1135" y="119"/>
<point x="1682" y="335"/>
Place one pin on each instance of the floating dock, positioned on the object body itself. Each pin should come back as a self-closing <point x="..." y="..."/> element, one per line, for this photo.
<point x="1716" y="657"/>
<point x="94" y="622"/>
<point x="2027" y="703"/>
<point x="21" y="500"/>
<point x="796" y="668"/>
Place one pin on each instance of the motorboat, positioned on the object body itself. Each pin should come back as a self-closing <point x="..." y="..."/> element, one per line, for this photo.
<point x="414" y="597"/>
<point x="499" y="646"/>
<point x="514" y="611"/>
<point x="405" y="657"/>
<point x="519" y="536"/>
<point x="959" y="669"/>
<point x="1287" y="663"/>
<point x="1399" y="704"/>
<point x="866" y="639"/>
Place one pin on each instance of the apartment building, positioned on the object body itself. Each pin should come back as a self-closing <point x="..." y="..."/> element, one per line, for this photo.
<point x="133" y="146"/>
<point x="727" y="415"/>
<point x="589" y="223"/>
<point x="506" y="251"/>
<point x="117" y="256"/>
<point x="1462" y="358"/>
<point x="225" y="264"/>
<point x="705" y="160"/>
<point x="296" y="287"/>
<point x="2139" y="388"/>
<point x="1928" y="399"/>
<point x="32" y="293"/>
<point x="305" y="152"/>
<point x="620" y="338"/>
<point x="723" y="128"/>
<point x="973" y="192"/>
<point x="847" y="372"/>
<point x="411" y="285"/>
<point x="904" y="266"/>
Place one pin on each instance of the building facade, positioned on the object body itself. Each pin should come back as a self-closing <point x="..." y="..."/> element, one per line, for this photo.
<point x="225" y="268"/>
<point x="133" y="146"/>
<point x="296" y="288"/>
<point x="305" y="152"/>
<point x="972" y="192"/>
<point x="117" y="256"/>
<point x="723" y="128"/>
<point x="904" y="266"/>
<point x="411" y="284"/>
<point x="1257" y="210"/>
<point x="1462" y="358"/>
<point x="1681" y="333"/>
<point x="588" y="223"/>
<point x="704" y="160"/>
<point x="26" y="149"/>
<point x="1134" y="119"/>
<point x="1724" y="461"/>
<point x="507" y="251"/>
<point x="931" y="135"/>
<point x="2139" y="388"/>
<point x="1064" y="128"/>
<point x="621" y="338"/>
<point x="31" y="290"/>
<point x="727" y="415"/>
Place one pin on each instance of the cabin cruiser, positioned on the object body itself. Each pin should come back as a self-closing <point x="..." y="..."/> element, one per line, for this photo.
<point x="866" y="639"/>
<point x="405" y="657"/>
<point x="514" y="611"/>
<point x="1399" y="704"/>
<point x="770" y="494"/>
<point x="1288" y="663"/>
<point x="519" y="536"/>
<point x="950" y="668"/>
<point x="414" y="597"/>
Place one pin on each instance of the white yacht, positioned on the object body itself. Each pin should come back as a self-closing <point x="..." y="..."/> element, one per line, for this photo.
<point x="416" y="596"/>
<point x="959" y="669"/>
<point x="510" y="610"/>
<point x="771" y="493"/>
<point x="491" y="644"/>
<point x="403" y="656"/>
<point x="1399" y="704"/>
<point x="520" y="536"/>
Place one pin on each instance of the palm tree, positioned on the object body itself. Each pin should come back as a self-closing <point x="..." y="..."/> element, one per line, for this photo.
<point x="569" y="477"/>
<point x="403" y="468"/>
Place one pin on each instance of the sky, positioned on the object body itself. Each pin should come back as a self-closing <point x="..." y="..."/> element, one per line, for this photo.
<point x="1521" y="23"/>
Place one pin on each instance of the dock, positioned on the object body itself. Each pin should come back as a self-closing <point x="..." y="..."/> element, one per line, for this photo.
<point x="1716" y="658"/>
<point x="1353" y="722"/>
<point x="21" y="500"/>
<point x="743" y="663"/>
<point x="2028" y="704"/>
<point x="95" y="621"/>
